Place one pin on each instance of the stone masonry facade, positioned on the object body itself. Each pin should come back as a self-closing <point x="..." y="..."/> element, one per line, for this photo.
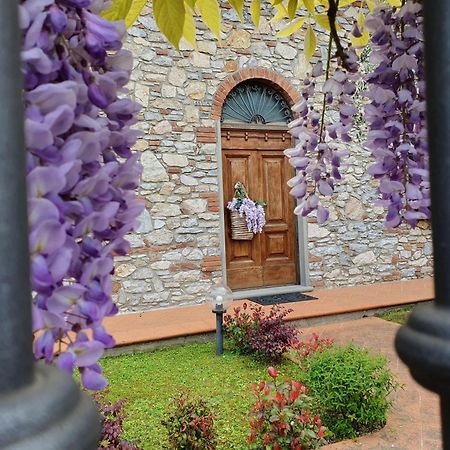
<point x="176" y="255"/>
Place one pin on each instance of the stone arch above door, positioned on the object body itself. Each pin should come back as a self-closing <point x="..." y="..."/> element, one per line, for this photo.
<point x="269" y="77"/>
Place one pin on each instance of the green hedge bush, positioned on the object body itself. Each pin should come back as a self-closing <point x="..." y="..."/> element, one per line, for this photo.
<point x="351" y="389"/>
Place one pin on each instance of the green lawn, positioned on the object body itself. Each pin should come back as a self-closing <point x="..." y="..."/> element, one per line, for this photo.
<point x="148" y="381"/>
<point x="398" y="315"/>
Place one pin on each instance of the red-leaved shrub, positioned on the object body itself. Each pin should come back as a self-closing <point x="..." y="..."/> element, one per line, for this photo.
<point x="190" y="424"/>
<point x="281" y="417"/>
<point x="251" y="330"/>
<point x="313" y="344"/>
<point x="112" y="416"/>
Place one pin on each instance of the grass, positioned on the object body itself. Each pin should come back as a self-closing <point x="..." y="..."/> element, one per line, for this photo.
<point x="148" y="381"/>
<point x="398" y="315"/>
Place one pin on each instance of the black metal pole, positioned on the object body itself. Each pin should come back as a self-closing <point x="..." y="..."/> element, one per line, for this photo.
<point x="16" y="368"/>
<point x="40" y="408"/>
<point x="424" y="342"/>
<point x="219" y="333"/>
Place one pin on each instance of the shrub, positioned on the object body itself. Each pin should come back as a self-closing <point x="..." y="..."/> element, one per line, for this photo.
<point x="351" y="389"/>
<point x="190" y="424"/>
<point x="112" y="416"/>
<point x="281" y="417"/>
<point x="251" y="330"/>
<point x="313" y="344"/>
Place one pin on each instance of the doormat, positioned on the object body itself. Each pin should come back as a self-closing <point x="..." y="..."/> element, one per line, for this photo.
<point x="277" y="299"/>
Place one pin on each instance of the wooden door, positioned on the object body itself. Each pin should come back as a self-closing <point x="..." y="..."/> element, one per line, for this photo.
<point x="255" y="157"/>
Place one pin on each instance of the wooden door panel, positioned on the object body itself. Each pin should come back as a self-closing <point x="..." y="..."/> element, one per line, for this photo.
<point x="278" y="274"/>
<point x="256" y="158"/>
<point x="276" y="245"/>
<point x="273" y="187"/>
<point x="243" y="278"/>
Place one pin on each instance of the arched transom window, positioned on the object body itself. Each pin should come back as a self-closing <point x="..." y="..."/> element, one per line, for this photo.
<point x="257" y="103"/>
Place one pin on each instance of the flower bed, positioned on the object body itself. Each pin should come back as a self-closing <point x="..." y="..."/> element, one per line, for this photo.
<point x="235" y="392"/>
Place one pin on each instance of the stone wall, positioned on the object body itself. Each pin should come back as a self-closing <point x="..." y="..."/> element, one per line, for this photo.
<point x="175" y="253"/>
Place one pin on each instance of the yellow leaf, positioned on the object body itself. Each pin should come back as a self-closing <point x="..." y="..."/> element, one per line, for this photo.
<point x="371" y="5"/>
<point x="343" y="3"/>
<point x="118" y="11"/>
<point x="309" y="5"/>
<point x="310" y="43"/>
<point x="210" y="11"/>
<point x="238" y="6"/>
<point x="255" y="11"/>
<point x="190" y="3"/>
<point x="280" y="14"/>
<point x="291" y="28"/>
<point x="322" y="20"/>
<point x="170" y="17"/>
<point x="361" y="41"/>
<point x="133" y="13"/>
<point x="395" y="2"/>
<point x="189" y="31"/>
<point x="361" y="19"/>
<point x="292" y="8"/>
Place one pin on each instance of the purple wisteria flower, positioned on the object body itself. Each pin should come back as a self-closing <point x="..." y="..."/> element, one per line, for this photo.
<point x="252" y="211"/>
<point x="397" y="137"/>
<point x="81" y="176"/>
<point x="316" y="157"/>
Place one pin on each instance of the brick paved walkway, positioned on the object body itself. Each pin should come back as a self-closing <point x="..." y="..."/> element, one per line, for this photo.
<point x="414" y="421"/>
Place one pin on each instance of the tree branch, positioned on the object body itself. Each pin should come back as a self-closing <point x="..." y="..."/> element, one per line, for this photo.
<point x="332" y="14"/>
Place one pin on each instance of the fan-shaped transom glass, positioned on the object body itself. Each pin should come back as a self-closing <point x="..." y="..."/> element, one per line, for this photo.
<point x="255" y="102"/>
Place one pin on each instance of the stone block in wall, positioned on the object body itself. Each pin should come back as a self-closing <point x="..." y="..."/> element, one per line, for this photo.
<point x="194" y="206"/>
<point x="153" y="170"/>
<point x="174" y="160"/>
<point x="145" y="223"/>
<point x="239" y="39"/>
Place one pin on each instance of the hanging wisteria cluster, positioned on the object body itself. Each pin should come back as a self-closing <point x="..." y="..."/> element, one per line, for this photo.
<point x="253" y="212"/>
<point x="81" y="177"/>
<point x="316" y="156"/>
<point x="396" y="114"/>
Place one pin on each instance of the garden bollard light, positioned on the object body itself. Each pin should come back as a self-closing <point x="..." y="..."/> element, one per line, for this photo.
<point x="221" y="299"/>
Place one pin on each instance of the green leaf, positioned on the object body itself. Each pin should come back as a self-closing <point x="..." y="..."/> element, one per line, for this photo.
<point x="291" y="28"/>
<point x="210" y="12"/>
<point x="118" y="10"/>
<point x="292" y="8"/>
<point x="238" y="6"/>
<point x="255" y="11"/>
<point x="133" y="13"/>
<point x="310" y="43"/>
<point x="170" y="18"/>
